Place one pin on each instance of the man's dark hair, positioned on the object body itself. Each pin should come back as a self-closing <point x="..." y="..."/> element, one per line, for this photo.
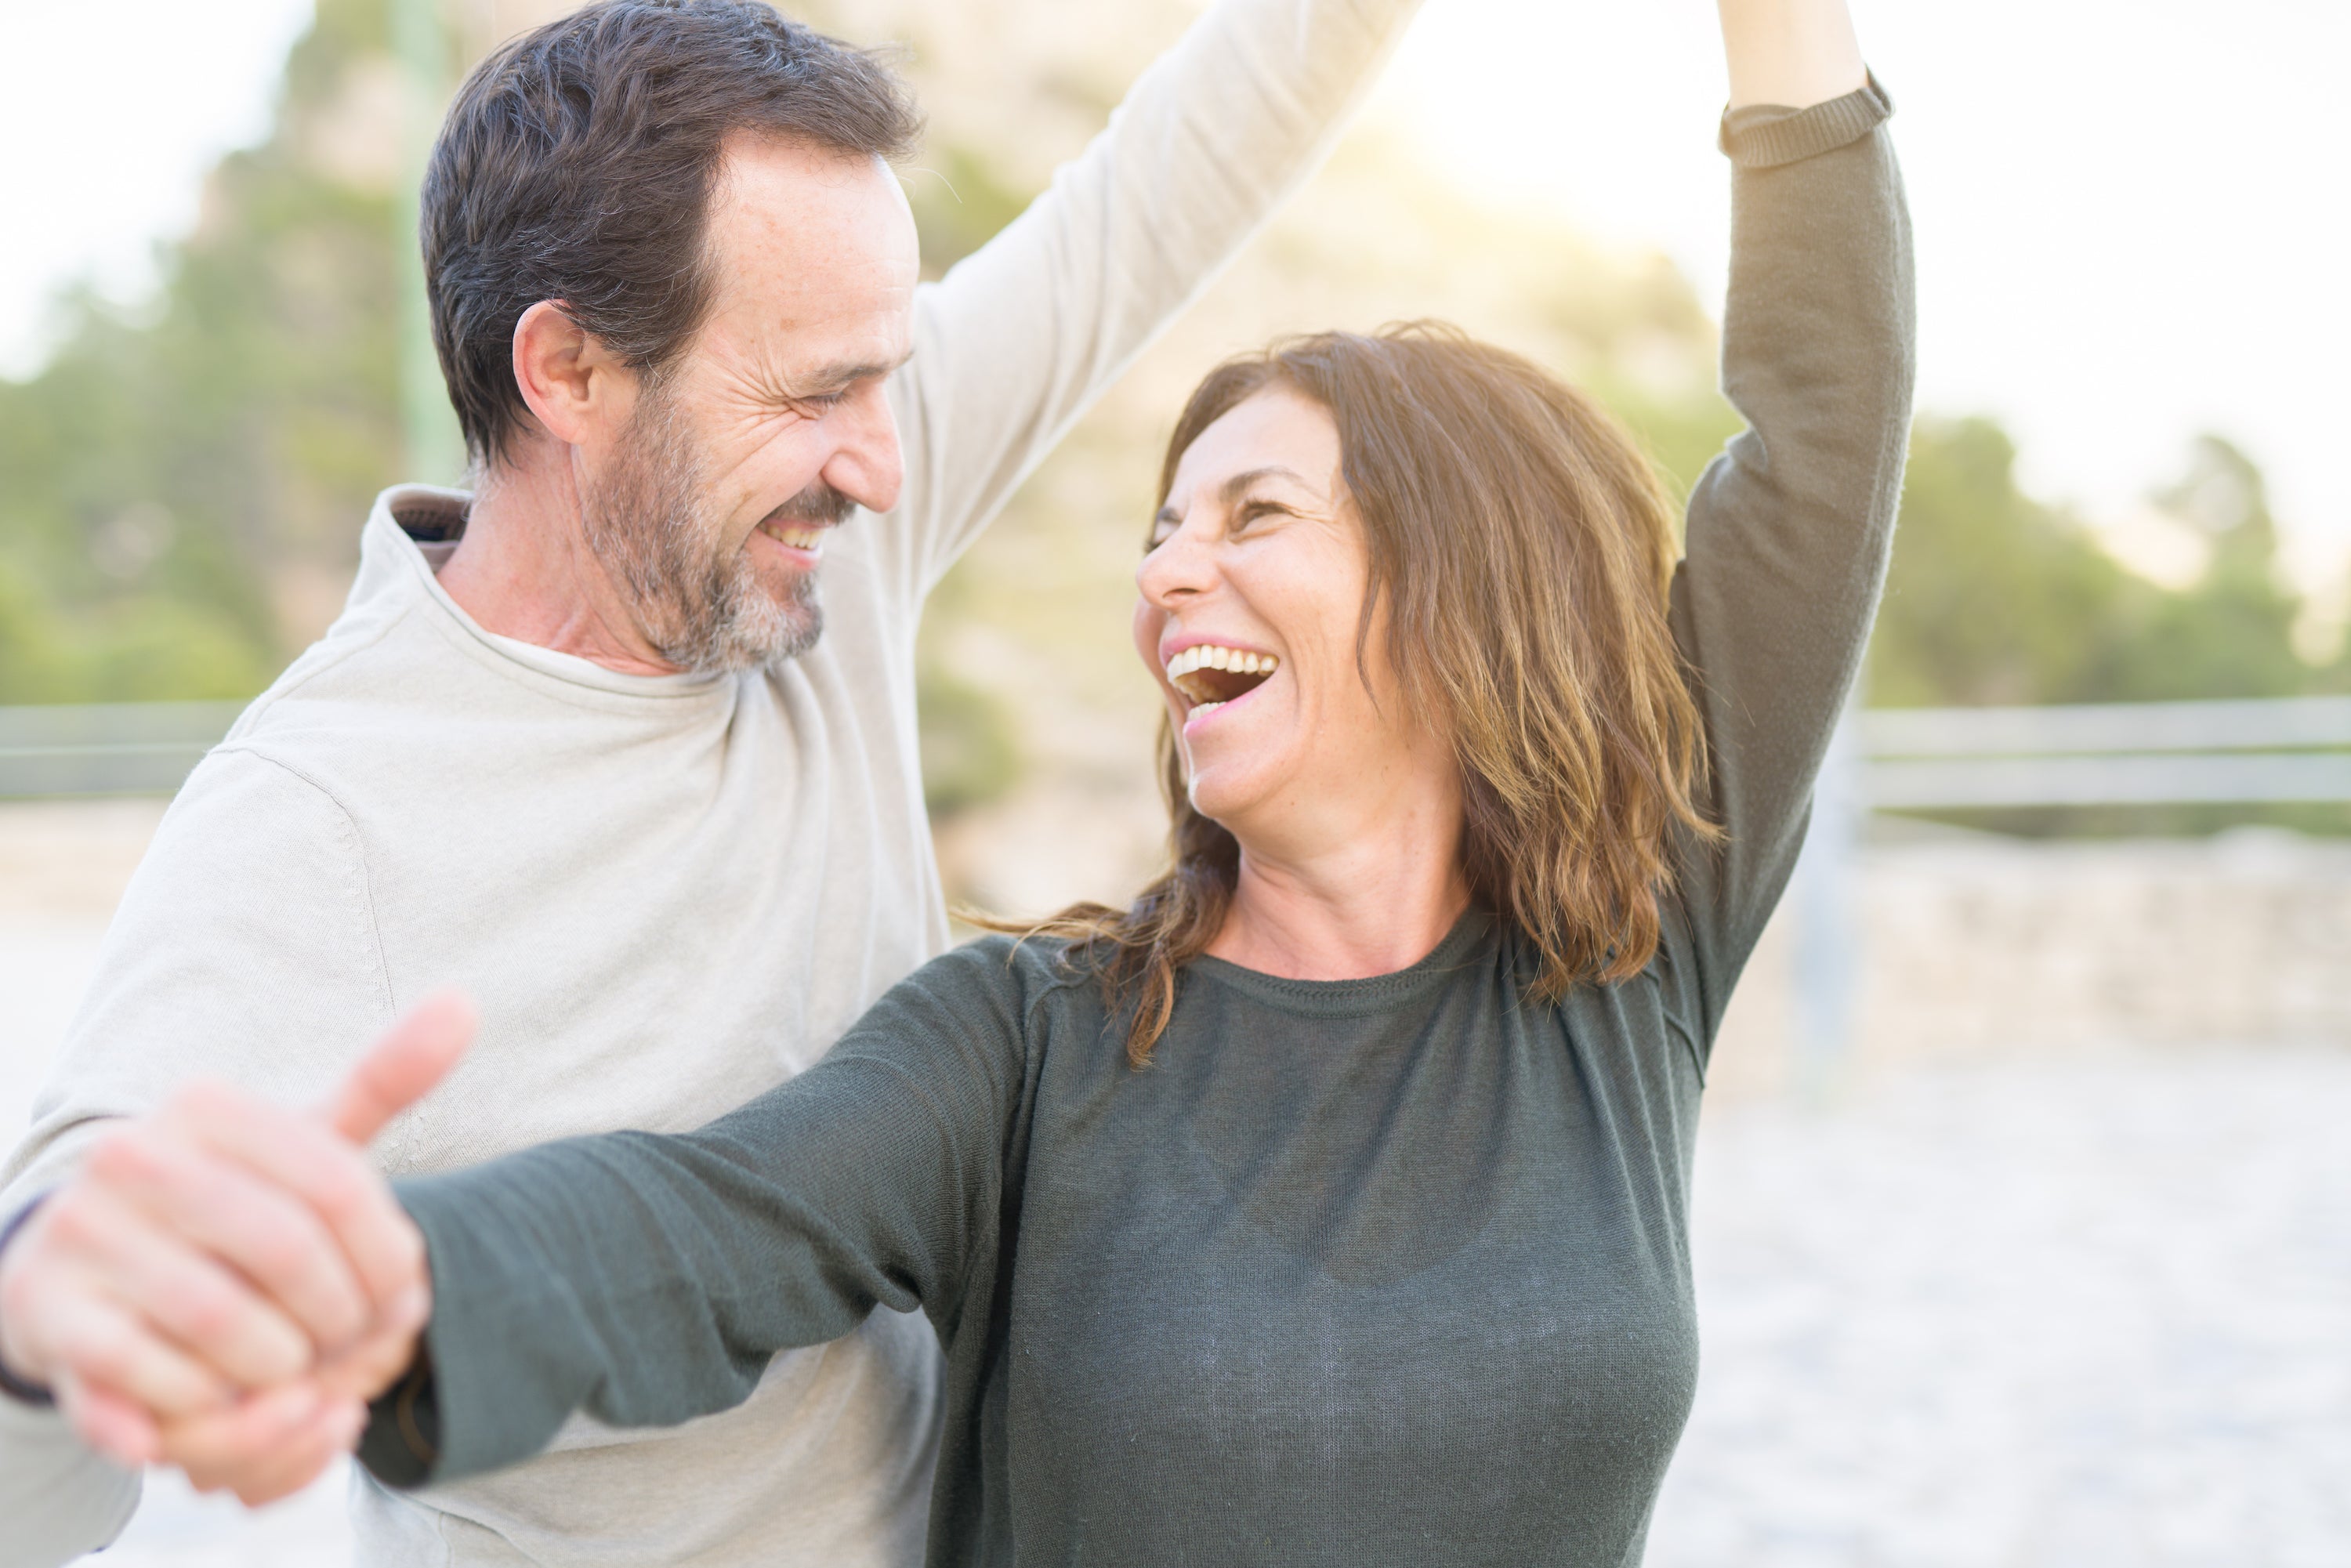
<point x="577" y="165"/>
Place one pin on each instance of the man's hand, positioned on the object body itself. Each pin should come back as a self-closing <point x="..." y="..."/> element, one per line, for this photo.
<point x="226" y="1282"/>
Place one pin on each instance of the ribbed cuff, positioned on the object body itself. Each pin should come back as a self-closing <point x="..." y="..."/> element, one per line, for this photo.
<point x="11" y="1386"/>
<point x="1766" y="135"/>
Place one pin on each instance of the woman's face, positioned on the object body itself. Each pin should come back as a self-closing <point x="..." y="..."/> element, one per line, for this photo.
<point x="1251" y="596"/>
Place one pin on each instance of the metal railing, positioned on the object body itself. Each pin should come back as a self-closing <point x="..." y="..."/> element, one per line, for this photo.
<point x="2268" y="752"/>
<point x="2119" y="754"/>
<point x="1885" y="759"/>
<point x="107" y="748"/>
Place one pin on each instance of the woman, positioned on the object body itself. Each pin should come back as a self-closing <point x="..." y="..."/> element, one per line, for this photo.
<point x="1329" y="1204"/>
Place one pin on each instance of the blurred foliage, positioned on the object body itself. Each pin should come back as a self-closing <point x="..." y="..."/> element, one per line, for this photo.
<point x="970" y="754"/>
<point x="180" y="480"/>
<point x="1996" y="598"/>
<point x="959" y="203"/>
<point x="182" y="488"/>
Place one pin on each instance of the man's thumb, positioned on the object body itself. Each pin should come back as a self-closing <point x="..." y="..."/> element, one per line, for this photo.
<point x="403" y="1067"/>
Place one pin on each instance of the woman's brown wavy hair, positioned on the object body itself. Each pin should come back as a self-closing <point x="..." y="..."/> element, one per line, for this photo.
<point x="1524" y="548"/>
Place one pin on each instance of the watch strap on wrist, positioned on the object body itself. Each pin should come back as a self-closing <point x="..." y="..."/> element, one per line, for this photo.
<point x="14" y="1386"/>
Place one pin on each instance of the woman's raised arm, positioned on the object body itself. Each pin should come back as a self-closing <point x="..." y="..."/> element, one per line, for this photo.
<point x="1791" y="527"/>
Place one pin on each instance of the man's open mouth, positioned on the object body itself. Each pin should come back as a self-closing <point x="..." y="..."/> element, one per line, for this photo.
<point x="798" y="535"/>
<point x="1209" y="675"/>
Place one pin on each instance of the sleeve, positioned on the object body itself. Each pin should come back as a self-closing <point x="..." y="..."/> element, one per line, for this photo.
<point x="1790" y="529"/>
<point x="647" y="1279"/>
<point x="242" y="949"/>
<point x="1022" y="336"/>
<point x="59" y="1499"/>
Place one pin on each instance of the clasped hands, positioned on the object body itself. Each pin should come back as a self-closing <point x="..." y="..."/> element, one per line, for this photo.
<point x="225" y="1283"/>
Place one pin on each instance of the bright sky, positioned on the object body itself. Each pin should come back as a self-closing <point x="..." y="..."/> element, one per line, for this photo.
<point x="2132" y="215"/>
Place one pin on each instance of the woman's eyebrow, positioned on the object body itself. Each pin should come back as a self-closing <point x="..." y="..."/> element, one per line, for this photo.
<point x="1231" y="491"/>
<point x="1234" y="488"/>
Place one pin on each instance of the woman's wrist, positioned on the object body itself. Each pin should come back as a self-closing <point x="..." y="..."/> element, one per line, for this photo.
<point x="1794" y="53"/>
<point x="18" y="1380"/>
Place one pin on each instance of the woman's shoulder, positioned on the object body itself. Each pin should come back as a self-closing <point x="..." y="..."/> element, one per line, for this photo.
<point x="1021" y="972"/>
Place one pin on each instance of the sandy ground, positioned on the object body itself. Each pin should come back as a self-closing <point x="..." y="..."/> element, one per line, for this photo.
<point x="2079" y="1310"/>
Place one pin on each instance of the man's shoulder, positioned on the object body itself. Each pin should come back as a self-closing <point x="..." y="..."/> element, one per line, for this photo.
<point x="354" y="697"/>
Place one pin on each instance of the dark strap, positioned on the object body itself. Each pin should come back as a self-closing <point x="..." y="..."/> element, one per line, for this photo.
<point x="14" y="1386"/>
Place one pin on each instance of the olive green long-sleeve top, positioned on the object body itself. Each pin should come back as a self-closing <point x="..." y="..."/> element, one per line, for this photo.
<point x="1390" y="1270"/>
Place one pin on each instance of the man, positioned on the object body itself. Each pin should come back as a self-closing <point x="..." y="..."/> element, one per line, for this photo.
<point x="603" y="743"/>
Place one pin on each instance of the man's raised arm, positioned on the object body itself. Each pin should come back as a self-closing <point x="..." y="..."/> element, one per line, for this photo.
<point x="1022" y="336"/>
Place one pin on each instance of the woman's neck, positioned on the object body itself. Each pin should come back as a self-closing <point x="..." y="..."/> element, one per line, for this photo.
<point x="1379" y="903"/>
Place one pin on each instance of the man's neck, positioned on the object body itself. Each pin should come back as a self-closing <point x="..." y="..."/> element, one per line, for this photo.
<point x="523" y="569"/>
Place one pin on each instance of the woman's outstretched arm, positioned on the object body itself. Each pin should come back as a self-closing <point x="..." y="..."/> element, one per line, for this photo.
<point x="1790" y="529"/>
<point x="647" y="1279"/>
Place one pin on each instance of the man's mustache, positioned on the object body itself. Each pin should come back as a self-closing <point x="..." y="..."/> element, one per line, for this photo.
<point x="819" y="503"/>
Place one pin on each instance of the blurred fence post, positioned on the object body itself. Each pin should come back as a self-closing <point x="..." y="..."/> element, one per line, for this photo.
<point x="1826" y="962"/>
<point x="433" y="452"/>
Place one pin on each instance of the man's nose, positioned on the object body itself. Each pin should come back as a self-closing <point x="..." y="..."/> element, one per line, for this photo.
<point x="867" y="465"/>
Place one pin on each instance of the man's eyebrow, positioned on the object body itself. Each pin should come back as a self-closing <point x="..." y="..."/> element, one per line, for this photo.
<point x="850" y="372"/>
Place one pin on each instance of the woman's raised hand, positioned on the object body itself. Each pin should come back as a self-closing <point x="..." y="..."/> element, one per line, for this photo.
<point x="227" y="1282"/>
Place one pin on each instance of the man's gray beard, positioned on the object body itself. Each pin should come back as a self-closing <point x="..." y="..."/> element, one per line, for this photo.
<point x="701" y="606"/>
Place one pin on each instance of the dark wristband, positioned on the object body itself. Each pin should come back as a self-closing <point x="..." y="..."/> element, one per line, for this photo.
<point x="14" y="1386"/>
<point x="401" y="1442"/>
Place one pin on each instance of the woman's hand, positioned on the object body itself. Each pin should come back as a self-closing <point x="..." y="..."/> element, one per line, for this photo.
<point x="226" y="1282"/>
<point x="1797" y="53"/>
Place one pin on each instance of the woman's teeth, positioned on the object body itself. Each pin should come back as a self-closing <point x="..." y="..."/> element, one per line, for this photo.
<point x="800" y="536"/>
<point x="1210" y="676"/>
<point x="1209" y="656"/>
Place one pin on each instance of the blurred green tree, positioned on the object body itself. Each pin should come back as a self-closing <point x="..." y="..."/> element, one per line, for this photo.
<point x="181" y="487"/>
<point x="1996" y="598"/>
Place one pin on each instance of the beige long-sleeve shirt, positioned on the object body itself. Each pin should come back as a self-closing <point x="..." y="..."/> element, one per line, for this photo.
<point x="666" y="894"/>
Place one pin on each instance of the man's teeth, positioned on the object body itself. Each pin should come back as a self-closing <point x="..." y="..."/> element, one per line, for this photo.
<point x="800" y="536"/>
<point x="1199" y="709"/>
<point x="1209" y="656"/>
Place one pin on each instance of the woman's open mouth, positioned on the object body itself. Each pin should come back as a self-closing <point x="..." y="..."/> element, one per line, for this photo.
<point x="1209" y="675"/>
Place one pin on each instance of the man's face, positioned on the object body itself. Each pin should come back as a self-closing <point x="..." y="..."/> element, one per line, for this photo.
<point x="772" y="428"/>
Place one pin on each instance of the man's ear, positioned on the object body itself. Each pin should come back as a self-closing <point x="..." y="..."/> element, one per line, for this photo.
<point x="576" y="389"/>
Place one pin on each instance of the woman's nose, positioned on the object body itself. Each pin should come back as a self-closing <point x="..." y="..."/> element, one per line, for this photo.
<point x="1176" y="568"/>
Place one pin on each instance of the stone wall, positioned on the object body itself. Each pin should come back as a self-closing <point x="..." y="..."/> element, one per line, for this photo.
<point x="1979" y="944"/>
